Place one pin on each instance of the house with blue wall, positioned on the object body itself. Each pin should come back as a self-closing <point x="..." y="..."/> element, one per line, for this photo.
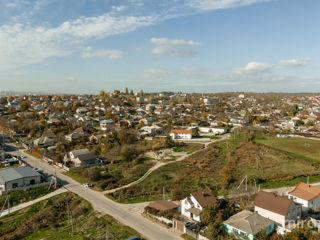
<point x="245" y="225"/>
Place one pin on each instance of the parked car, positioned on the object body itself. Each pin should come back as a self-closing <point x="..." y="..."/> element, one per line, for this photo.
<point x="188" y="224"/>
<point x="48" y="162"/>
<point x="134" y="238"/>
<point x="87" y="185"/>
<point x="22" y="156"/>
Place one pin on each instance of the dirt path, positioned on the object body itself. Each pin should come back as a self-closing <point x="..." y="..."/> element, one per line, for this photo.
<point x="161" y="164"/>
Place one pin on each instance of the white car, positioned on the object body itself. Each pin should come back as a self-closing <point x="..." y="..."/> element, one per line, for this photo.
<point x="22" y="156"/>
<point x="87" y="185"/>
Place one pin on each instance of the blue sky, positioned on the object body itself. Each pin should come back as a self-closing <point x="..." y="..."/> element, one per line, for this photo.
<point x="83" y="46"/>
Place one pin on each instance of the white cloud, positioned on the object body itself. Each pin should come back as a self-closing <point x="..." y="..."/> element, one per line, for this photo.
<point x="253" y="68"/>
<point x="221" y="4"/>
<point x="172" y="47"/>
<point x="22" y="44"/>
<point x="292" y="63"/>
<point x="118" y="8"/>
<point x="89" y="52"/>
<point x="154" y="74"/>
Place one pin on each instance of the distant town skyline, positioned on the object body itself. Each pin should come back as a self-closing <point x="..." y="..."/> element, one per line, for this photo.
<point x="84" y="46"/>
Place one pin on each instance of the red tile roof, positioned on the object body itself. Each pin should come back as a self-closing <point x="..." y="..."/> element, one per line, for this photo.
<point x="181" y="131"/>
<point x="272" y="202"/>
<point x="305" y="191"/>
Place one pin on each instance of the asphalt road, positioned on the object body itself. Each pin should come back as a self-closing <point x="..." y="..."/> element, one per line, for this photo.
<point x="128" y="214"/>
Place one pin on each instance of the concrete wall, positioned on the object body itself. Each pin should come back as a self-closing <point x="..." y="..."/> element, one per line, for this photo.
<point x="21" y="182"/>
<point x="25" y="187"/>
<point x="271" y="215"/>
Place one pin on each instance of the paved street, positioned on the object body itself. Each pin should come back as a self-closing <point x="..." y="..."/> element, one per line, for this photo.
<point x="128" y="214"/>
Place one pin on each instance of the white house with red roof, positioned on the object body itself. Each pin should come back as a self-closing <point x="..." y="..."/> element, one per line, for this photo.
<point x="306" y="195"/>
<point x="181" y="134"/>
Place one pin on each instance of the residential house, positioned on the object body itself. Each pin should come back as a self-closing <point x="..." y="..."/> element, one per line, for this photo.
<point x="181" y="134"/>
<point x="215" y="131"/>
<point x="46" y="140"/>
<point x="81" y="158"/>
<point x="246" y="225"/>
<point x="106" y="125"/>
<point x="74" y="136"/>
<point x="306" y="195"/>
<point x="193" y="205"/>
<point x="277" y="208"/>
<point x="150" y="130"/>
<point x="163" y="206"/>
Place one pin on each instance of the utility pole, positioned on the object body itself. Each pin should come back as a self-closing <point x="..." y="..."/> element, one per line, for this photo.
<point x="7" y="201"/>
<point x="308" y="179"/>
<point x="70" y="217"/>
<point x="245" y="178"/>
<point x="163" y="194"/>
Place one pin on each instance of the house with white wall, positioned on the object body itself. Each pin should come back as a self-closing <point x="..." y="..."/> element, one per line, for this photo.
<point x="212" y="130"/>
<point x="181" y="134"/>
<point x="106" y="124"/>
<point x="193" y="205"/>
<point x="306" y="195"/>
<point x="281" y="210"/>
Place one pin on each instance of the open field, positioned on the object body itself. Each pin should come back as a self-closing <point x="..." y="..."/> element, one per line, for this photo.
<point x="221" y="167"/>
<point x="301" y="147"/>
<point x="18" y="197"/>
<point x="49" y="220"/>
<point x="113" y="175"/>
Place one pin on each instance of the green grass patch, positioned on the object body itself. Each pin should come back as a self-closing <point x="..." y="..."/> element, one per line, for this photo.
<point x="306" y="149"/>
<point x="288" y="183"/>
<point x="48" y="219"/>
<point x="21" y="196"/>
<point x="187" y="237"/>
<point x="139" y="199"/>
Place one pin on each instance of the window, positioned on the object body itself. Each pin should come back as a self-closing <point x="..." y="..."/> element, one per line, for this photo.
<point x="14" y="185"/>
<point x="32" y="182"/>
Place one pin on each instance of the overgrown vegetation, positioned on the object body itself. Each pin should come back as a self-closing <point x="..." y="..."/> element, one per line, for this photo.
<point x="18" y="197"/>
<point x="223" y="165"/>
<point x="112" y="175"/>
<point x="49" y="220"/>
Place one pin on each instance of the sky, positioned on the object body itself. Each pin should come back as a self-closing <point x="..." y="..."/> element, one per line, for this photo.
<point x="84" y="46"/>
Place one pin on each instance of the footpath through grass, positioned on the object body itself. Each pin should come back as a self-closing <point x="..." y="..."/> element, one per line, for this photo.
<point x="18" y="197"/>
<point x="49" y="220"/>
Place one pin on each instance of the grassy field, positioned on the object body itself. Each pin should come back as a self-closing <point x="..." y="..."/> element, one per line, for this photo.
<point x="113" y="175"/>
<point x="301" y="147"/>
<point x="49" y="220"/>
<point x="223" y="165"/>
<point x="18" y="197"/>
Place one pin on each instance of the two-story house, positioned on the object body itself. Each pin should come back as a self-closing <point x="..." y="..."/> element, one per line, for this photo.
<point x="306" y="195"/>
<point x="281" y="210"/>
<point x="193" y="205"/>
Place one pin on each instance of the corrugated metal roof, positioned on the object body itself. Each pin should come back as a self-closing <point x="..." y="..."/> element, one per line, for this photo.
<point x="10" y="174"/>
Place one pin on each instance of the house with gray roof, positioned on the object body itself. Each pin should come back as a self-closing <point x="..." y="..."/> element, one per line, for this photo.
<point x="19" y="177"/>
<point x="81" y="158"/>
<point x="246" y="225"/>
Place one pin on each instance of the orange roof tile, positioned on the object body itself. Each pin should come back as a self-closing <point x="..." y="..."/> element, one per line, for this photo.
<point x="305" y="191"/>
<point x="181" y="131"/>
